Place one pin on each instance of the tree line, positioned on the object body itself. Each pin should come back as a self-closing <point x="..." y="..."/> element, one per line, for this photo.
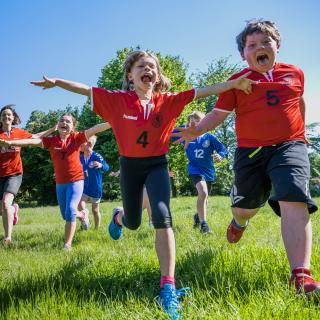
<point x="38" y="183"/>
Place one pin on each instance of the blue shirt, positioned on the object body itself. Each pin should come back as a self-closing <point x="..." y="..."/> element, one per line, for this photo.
<point x="199" y="153"/>
<point x="93" y="176"/>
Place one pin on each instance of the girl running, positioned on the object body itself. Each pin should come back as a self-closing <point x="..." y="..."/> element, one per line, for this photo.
<point x="142" y="117"/>
<point x="11" y="167"/>
<point x="65" y="154"/>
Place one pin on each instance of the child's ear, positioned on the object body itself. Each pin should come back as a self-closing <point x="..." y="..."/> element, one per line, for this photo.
<point x="242" y="56"/>
<point x="130" y="76"/>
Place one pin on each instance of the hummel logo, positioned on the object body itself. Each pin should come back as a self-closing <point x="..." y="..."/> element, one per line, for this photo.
<point x="130" y="117"/>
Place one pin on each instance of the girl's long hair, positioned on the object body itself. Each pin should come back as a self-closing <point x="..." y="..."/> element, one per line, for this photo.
<point x="16" y="118"/>
<point x="164" y="83"/>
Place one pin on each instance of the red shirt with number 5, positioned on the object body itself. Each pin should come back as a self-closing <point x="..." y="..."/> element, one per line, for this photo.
<point x="271" y="113"/>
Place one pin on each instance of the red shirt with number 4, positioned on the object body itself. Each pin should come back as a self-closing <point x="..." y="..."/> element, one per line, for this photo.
<point x="65" y="156"/>
<point x="140" y="132"/>
<point x="271" y="113"/>
<point x="10" y="159"/>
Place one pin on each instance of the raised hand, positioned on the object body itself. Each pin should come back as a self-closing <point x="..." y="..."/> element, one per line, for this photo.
<point x="243" y="83"/>
<point x="95" y="164"/>
<point x="47" y="83"/>
<point x="216" y="157"/>
<point x="187" y="134"/>
<point x="114" y="174"/>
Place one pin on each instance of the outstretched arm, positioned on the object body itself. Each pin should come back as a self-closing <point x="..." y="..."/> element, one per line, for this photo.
<point x="241" y="83"/>
<point x="209" y="122"/>
<point x="76" y="87"/>
<point x="21" y="143"/>
<point x="97" y="128"/>
<point x="45" y="133"/>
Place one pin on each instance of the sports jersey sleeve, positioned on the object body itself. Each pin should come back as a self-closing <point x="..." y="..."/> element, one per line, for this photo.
<point x="218" y="147"/>
<point x="105" y="166"/>
<point x="177" y="101"/>
<point x="46" y="141"/>
<point x="80" y="138"/>
<point x="99" y="158"/>
<point x="300" y="72"/>
<point x="227" y="100"/>
<point x="104" y="101"/>
<point x="24" y="134"/>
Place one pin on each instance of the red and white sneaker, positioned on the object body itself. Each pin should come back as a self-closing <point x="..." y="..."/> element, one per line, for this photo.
<point x="234" y="232"/>
<point x="303" y="282"/>
<point x="15" y="213"/>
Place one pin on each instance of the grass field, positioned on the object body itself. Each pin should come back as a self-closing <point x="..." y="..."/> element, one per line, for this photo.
<point x="104" y="279"/>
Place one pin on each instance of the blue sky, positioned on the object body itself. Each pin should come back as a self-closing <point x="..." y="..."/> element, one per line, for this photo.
<point x="74" y="39"/>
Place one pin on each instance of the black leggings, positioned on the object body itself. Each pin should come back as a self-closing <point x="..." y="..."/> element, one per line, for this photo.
<point x="153" y="172"/>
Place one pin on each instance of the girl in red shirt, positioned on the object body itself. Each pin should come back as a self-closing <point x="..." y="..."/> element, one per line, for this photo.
<point x="11" y="167"/>
<point x="65" y="154"/>
<point x="142" y="118"/>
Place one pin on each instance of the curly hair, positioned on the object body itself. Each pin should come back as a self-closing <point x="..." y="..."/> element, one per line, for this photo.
<point x="258" y="26"/>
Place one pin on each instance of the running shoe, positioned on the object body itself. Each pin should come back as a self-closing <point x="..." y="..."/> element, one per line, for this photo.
<point x="67" y="247"/>
<point x="196" y="221"/>
<point x="169" y="300"/>
<point x="115" y="230"/>
<point x="303" y="282"/>
<point x="6" y="241"/>
<point x="205" y="229"/>
<point x="234" y="231"/>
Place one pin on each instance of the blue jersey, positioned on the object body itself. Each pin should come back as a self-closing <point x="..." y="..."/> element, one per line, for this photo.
<point x="93" y="176"/>
<point x="199" y="153"/>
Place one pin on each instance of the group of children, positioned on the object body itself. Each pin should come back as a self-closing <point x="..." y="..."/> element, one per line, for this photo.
<point x="267" y="98"/>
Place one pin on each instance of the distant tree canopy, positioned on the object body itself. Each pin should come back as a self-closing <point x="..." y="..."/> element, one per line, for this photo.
<point x="38" y="183"/>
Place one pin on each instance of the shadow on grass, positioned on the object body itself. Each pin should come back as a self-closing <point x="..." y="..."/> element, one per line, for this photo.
<point x="141" y="283"/>
<point x="217" y="271"/>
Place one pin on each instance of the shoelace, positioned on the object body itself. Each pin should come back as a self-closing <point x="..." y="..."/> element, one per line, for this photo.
<point x="170" y="298"/>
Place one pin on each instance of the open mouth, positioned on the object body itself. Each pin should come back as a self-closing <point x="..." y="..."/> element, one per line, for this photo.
<point x="146" y="78"/>
<point x="262" y="59"/>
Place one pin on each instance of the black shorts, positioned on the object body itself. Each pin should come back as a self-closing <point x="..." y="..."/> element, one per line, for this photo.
<point x="275" y="173"/>
<point x="197" y="178"/>
<point x="153" y="173"/>
<point x="10" y="184"/>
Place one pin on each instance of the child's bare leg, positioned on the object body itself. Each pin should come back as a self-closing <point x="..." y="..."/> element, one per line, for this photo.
<point x="296" y="233"/>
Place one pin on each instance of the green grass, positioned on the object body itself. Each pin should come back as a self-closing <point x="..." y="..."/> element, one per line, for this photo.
<point x="104" y="279"/>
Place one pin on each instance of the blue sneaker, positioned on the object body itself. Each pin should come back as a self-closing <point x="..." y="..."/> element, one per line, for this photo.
<point x="115" y="230"/>
<point x="169" y="300"/>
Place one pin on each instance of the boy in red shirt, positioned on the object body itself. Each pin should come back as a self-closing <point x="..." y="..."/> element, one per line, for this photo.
<point x="271" y="147"/>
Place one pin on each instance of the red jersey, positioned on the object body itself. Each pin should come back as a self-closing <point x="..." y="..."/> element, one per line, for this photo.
<point x="140" y="132"/>
<point x="271" y="113"/>
<point x="65" y="156"/>
<point x="10" y="158"/>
